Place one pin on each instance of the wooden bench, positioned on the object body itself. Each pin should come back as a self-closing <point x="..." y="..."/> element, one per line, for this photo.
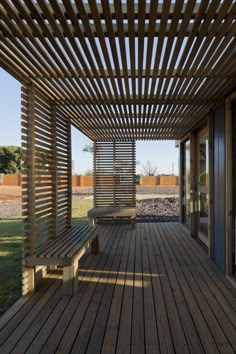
<point x="114" y="213"/>
<point x="64" y="251"/>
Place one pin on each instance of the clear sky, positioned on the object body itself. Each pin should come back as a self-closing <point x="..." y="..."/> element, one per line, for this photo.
<point x="161" y="154"/>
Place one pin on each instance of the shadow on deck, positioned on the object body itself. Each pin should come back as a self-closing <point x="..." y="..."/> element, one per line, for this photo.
<point x="149" y="290"/>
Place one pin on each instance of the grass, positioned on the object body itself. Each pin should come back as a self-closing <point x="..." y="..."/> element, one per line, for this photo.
<point x="79" y="211"/>
<point x="11" y="231"/>
<point x="11" y="241"/>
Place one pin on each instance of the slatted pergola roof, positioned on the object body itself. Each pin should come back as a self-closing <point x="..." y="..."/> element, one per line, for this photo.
<point x="123" y="70"/>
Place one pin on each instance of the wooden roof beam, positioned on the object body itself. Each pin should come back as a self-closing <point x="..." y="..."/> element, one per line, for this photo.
<point x="124" y="11"/>
<point x="147" y="101"/>
<point x="115" y="27"/>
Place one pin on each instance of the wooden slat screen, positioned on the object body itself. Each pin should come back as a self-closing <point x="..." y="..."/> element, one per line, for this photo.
<point x="124" y="70"/>
<point x="114" y="174"/>
<point x="64" y="183"/>
<point x="46" y="182"/>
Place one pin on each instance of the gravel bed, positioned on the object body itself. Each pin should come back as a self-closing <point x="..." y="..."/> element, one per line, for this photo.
<point x="10" y="208"/>
<point x="158" y="210"/>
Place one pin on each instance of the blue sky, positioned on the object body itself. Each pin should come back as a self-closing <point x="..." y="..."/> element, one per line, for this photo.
<point x="161" y="154"/>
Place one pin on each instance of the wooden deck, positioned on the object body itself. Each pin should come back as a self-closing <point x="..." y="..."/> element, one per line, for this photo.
<point x="149" y="290"/>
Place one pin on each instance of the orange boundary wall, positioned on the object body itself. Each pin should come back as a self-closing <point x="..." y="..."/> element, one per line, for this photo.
<point x="87" y="181"/>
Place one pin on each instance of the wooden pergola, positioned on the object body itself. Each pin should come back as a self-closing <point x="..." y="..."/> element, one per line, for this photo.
<point x="123" y="71"/>
<point x="119" y="72"/>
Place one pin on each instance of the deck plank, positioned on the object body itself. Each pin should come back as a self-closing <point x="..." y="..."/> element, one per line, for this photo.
<point x="171" y="304"/>
<point x="137" y="339"/>
<point x="149" y="290"/>
<point x="110" y="335"/>
<point x="182" y="295"/>
<point x="94" y="307"/>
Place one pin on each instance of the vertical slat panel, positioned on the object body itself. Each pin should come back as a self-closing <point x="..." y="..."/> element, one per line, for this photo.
<point x="46" y="180"/>
<point x="63" y="172"/>
<point x="114" y="174"/>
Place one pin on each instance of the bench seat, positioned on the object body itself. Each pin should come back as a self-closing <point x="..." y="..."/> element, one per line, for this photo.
<point x="111" y="213"/>
<point x="64" y="251"/>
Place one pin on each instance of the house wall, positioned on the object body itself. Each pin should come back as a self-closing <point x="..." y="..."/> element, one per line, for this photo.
<point x="222" y="185"/>
<point x="218" y="180"/>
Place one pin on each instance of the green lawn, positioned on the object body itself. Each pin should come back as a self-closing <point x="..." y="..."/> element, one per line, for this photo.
<point x="11" y="231"/>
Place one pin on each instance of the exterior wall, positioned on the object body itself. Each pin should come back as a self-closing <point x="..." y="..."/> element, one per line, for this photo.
<point x="150" y="180"/>
<point x="222" y="183"/>
<point x="161" y="181"/>
<point x="169" y="181"/>
<point x="230" y="212"/>
<point x="87" y="181"/>
<point x="75" y="181"/>
<point x="218" y="184"/>
<point x="11" y="180"/>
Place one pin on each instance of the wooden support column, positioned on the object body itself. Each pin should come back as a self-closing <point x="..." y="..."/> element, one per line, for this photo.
<point x="69" y="173"/>
<point x="31" y="220"/>
<point x="193" y="185"/>
<point x="54" y="169"/>
<point x="28" y="184"/>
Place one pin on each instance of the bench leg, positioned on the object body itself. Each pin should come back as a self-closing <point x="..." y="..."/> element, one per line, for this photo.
<point x="133" y="220"/>
<point x="92" y="221"/>
<point x="31" y="279"/>
<point x="95" y="245"/>
<point x="70" y="279"/>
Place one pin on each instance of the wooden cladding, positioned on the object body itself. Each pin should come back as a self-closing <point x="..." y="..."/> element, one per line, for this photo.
<point x="123" y="70"/>
<point x="46" y="180"/>
<point x="114" y="174"/>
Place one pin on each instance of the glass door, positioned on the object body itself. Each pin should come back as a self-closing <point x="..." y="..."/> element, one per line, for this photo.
<point x="186" y="183"/>
<point x="202" y="185"/>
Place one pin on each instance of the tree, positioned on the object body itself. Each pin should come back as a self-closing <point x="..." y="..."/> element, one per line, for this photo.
<point x="88" y="148"/>
<point x="89" y="172"/>
<point x="10" y="159"/>
<point x="149" y="170"/>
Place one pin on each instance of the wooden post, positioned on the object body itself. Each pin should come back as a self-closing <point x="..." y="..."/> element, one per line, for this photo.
<point x="54" y="169"/>
<point x="31" y="220"/>
<point x="28" y="185"/>
<point x="69" y="173"/>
